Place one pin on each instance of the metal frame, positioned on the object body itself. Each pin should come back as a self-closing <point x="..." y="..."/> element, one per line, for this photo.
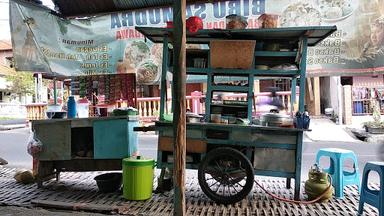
<point x="301" y="55"/>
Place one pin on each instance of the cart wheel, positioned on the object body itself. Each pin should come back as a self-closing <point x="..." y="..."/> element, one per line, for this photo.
<point x="226" y="175"/>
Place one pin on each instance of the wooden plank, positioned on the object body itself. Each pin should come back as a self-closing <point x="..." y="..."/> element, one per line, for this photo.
<point x="54" y="91"/>
<point x="179" y="90"/>
<point x="316" y="89"/>
<point x="310" y="89"/>
<point x="75" y="206"/>
<point x="193" y="145"/>
<point x="163" y="82"/>
<point x="56" y="140"/>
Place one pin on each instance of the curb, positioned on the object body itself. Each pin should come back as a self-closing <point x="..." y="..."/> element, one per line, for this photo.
<point x="10" y="127"/>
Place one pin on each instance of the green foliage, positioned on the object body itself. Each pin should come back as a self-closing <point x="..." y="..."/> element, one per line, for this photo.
<point x="22" y="83"/>
<point x="376" y="123"/>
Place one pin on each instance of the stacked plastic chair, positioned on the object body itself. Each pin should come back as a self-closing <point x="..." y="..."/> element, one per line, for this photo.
<point x="372" y="197"/>
<point x="340" y="177"/>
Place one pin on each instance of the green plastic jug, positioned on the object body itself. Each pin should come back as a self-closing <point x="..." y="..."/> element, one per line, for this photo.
<point x="137" y="178"/>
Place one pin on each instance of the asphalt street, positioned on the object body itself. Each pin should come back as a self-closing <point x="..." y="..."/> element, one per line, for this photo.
<point x="13" y="148"/>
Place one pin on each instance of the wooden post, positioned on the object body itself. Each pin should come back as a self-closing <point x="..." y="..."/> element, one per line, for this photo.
<point x="54" y="91"/>
<point x="163" y="83"/>
<point x="316" y="92"/>
<point x="179" y="131"/>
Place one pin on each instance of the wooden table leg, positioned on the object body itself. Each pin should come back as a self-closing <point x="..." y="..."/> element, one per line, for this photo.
<point x="288" y="183"/>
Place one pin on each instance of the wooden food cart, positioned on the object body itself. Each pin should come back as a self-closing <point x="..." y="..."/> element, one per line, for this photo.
<point x="228" y="156"/>
<point x="83" y="144"/>
<point x="88" y="144"/>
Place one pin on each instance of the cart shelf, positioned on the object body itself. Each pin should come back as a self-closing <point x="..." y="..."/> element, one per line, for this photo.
<point x="275" y="53"/>
<point x="291" y="35"/>
<point x="227" y="88"/>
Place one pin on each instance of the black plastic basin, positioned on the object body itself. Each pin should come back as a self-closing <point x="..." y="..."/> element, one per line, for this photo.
<point x="109" y="182"/>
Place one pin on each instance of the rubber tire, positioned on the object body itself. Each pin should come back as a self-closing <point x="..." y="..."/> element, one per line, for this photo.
<point x="241" y="157"/>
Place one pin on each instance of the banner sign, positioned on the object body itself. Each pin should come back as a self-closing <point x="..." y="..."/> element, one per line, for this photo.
<point x="109" y="44"/>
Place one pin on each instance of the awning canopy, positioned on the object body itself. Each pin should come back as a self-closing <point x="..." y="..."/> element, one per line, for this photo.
<point x="71" y="8"/>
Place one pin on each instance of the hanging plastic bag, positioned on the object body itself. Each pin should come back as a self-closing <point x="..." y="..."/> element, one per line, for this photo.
<point x="34" y="145"/>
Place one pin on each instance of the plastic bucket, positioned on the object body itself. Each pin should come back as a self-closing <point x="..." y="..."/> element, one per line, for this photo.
<point x="137" y="178"/>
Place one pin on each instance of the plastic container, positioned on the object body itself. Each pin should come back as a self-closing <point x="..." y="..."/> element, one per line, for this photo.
<point x="71" y="107"/>
<point x="137" y="178"/>
<point x="234" y="21"/>
<point x="56" y="115"/>
<point x="82" y="108"/>
<point x="268" y="20"/>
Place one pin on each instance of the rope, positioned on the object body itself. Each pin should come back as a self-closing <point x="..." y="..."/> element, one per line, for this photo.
<point x="298" y="201"/>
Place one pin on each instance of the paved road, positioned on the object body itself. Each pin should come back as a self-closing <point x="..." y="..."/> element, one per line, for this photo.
<point x="13" y="146"/>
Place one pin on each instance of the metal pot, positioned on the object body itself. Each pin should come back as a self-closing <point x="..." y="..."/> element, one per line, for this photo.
<point x="193" y="118"/>
<point x="276" y="119"/>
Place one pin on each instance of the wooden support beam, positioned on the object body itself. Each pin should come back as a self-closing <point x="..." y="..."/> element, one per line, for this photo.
<point x="310" y="89"/>
<point x="75" y="206"/>
<point x="316" y="93"/>
<point x="179" y="131"/>
<point x="54" y="91"/>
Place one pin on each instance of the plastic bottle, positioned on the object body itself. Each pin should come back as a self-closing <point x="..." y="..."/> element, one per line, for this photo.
<point x="71" y="104"/>
<point x="82" y="108"/>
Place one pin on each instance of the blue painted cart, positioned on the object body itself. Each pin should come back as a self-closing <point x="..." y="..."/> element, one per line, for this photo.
<point x="228" y="156"/>
<point x="83" y="144"/>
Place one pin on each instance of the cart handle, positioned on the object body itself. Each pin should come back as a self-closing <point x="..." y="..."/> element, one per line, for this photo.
<point x="145" y="128"/>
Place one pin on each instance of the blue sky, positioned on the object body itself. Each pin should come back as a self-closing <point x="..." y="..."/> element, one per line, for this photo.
<point x="4" y="18"/>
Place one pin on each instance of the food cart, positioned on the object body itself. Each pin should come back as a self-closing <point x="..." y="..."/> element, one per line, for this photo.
<point x="227" y="155"/>
<point x="95" y="143"/>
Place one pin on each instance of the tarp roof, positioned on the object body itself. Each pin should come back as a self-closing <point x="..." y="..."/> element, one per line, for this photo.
<point x="71" y="8"/>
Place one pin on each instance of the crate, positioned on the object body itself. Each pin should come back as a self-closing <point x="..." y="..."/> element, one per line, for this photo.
<point x="233" y="54"/>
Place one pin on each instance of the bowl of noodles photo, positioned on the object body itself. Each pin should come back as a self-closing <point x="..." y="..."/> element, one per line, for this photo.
<point x="335" y="10"/>
<point x="300" y="14"/>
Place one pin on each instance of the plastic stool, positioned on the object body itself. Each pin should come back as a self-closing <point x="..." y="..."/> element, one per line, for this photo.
<point x="372" y="197"/>
<point x="340" y="178"/>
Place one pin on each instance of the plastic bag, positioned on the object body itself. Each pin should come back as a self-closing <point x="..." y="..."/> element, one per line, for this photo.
<point x="302" y="120"/>
<point x="34" y="145"/>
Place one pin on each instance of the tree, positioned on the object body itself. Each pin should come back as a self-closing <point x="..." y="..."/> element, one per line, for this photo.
<point x="21" y="83"/>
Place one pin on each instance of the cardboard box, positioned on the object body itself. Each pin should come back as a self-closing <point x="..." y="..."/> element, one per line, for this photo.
<point x="233" y="54"/>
